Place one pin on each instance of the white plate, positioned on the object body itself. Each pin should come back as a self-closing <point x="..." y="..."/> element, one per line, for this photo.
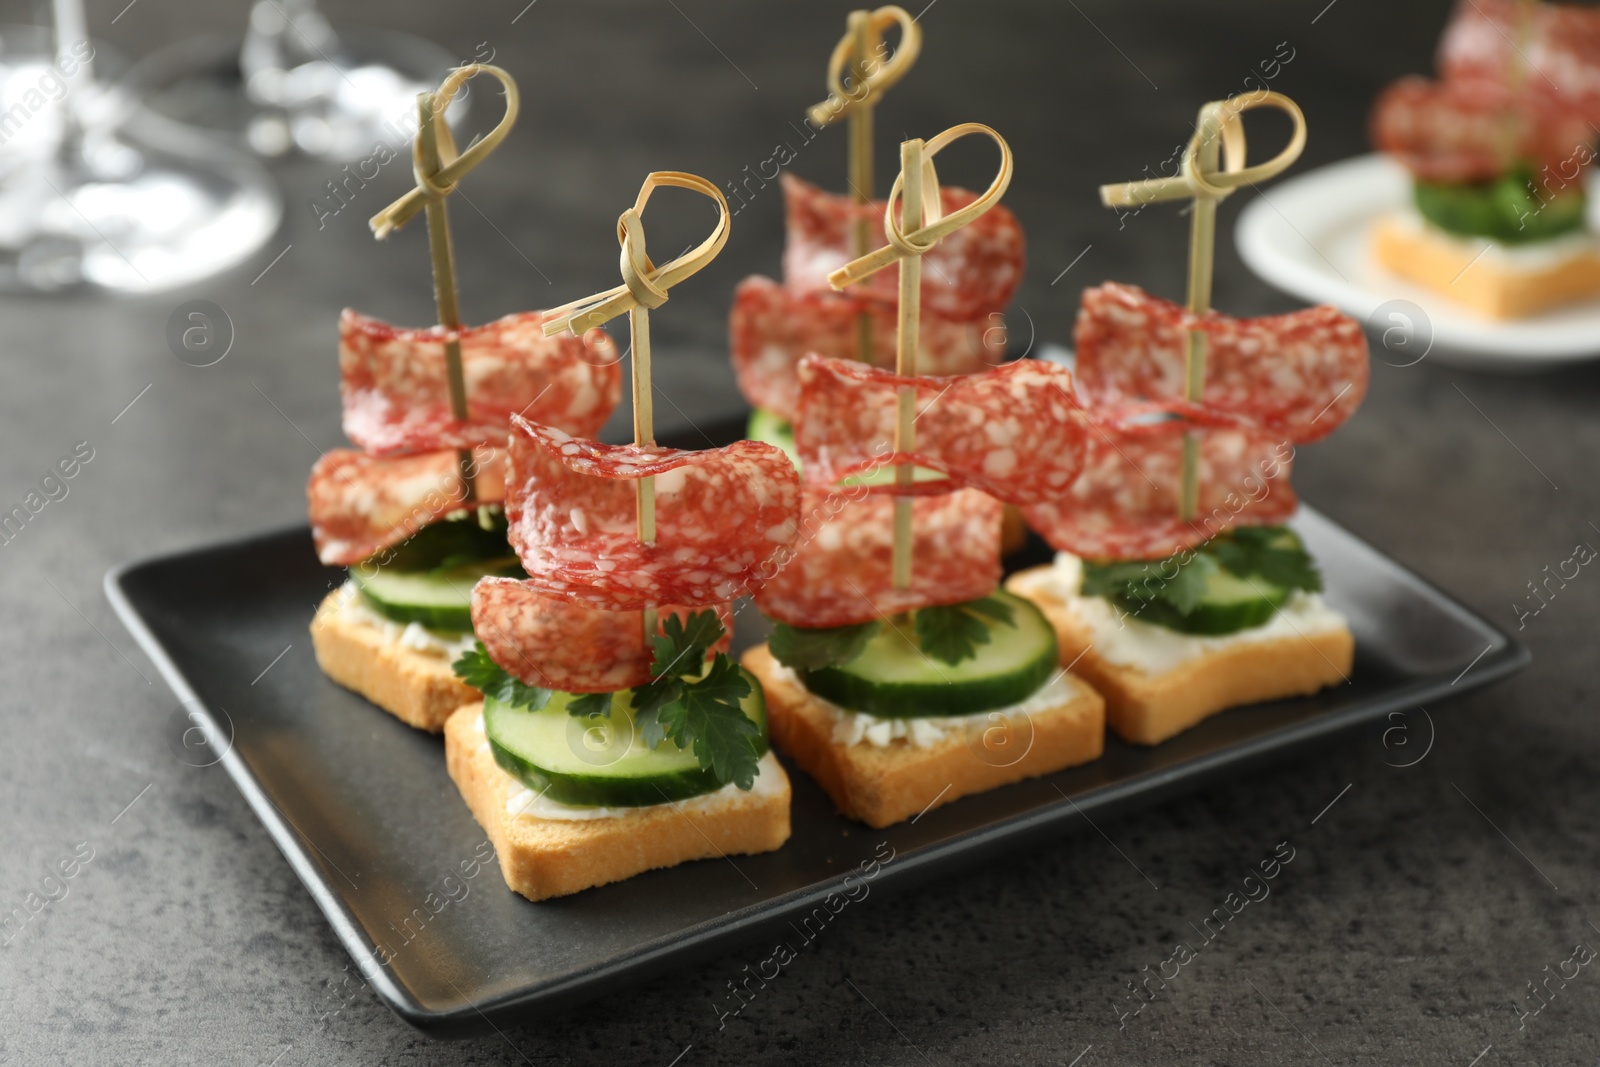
<point x="1308" y="236"/>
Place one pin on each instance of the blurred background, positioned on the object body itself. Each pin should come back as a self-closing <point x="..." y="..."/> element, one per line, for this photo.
<point x="224" y="159"/>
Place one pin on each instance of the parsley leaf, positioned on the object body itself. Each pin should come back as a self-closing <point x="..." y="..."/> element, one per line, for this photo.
<point x="590" y="705"/>
<point x="696" y="706"/>
<point x="648" y="700"/>
<point x="1137" y="583"/>
<point x="681" y="647"/>
<point x="953" y="632"/>
<point x="707" y="717"/>
<point x="1168" y="592"/>
<point x="484" y="674"/>
<point x="1270" y="553"/>
<point x="805" y="649"/>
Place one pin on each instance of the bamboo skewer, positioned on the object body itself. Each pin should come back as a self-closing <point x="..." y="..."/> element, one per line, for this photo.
<point x="918" y="230"/>
<point x="857" y="50"/>
<point x="905" y="355"/>
<point x="644" y="419"/>
<point x="860" y="162"/>
<point x="437" y="167"/>
<point x="434" y="144"/>
<point x="1218" y="138"/>
<point x="644" y="287"/>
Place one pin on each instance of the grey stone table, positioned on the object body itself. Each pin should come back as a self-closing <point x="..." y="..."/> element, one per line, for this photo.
<point x="1419" y="905"/>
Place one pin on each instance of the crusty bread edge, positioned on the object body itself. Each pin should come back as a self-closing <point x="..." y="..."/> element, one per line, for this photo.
<point x="544" y="858"/>
<point x="1452" y="269"/>
<point x="1146" y="709"/>
<point x="418" y="689"/>
<point x="884" y="786"/>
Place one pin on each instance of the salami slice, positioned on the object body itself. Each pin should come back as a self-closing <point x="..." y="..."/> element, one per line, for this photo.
<point x="1552" y="49"/>
<point x="1300" y="375"/>
<point x="559" y="645"/>
<point x="838" y="572"/>
<point x="721" y="514"/>
<point x="973" y="271"/>
<point x="397" y="400"/>
<point x="771" y="327"/>
<point x="1470" y="131"/>
<point x="1125" y="503"/>
<point x="1016" y="431"/>
<point x="361" y="504"/>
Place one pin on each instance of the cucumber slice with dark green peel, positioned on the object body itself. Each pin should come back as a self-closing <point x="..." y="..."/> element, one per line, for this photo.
<point x="1232" y="582"/>
<point x="442" y="543"/>
<point x="772" y="429"/>
<point x="1230" y="604"/>
<point x="893" y="678"/>
<point x="599" y="760"/>
<point x="439" y="599"/>
<point x="1509" y="209"/>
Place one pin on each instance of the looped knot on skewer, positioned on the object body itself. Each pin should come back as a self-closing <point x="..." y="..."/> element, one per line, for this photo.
<point x="871" y="76"/>
<point x="935" y="224"/>
<point x="436" y="183"/>
<point x="1219" y="121"/>
<point x="643" y="283"/>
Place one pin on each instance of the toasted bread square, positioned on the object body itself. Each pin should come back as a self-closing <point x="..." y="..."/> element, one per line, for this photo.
<point x="543" y="858"/>
<point x="418" y="689"/>
<point x="1455" y="268"/>
<point x="1146" y="709"/>
<point x="883" y="786"/>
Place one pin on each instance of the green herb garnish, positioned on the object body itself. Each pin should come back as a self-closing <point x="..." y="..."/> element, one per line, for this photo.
<point x="951" y="633"/>
<point x="1170" y="592"/>
<point x="590" y="704"/>
<point x="697" y="707"/>
<point x="484" y="674"/>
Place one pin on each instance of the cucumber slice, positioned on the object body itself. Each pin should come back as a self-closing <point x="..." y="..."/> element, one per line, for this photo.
<point x="445" y="542"/>
<point x="893" y="678"/>
<point x="601" y="761"/>
<point x="773" y="429"/>
<point x="438" y="599"/>
<point x="1231" y="603"/>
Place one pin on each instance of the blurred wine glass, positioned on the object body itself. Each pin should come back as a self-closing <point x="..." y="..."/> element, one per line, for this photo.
<point x="294" y="84"/>
<point x="97" y="191"/>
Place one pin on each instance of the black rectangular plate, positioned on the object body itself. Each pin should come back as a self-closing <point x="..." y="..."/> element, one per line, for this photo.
<point x="363" y="809"/>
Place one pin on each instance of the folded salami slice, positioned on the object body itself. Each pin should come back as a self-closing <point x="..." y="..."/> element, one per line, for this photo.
<point x="973" y="271"/>
<point x="721" y="514"/>
<point x="1552" y="49"/>
<point x="559" y="645"/>
<point x="1300" y="375"/>
<point x="839" y="570"/>
<point x="361" y="504"/>
<point x="771" y="327"/>
<point x="1016" y="431"/>
<point x="397" y="399"/>
<point x="1477" y="130"/>
<point x="1125" y="503"/>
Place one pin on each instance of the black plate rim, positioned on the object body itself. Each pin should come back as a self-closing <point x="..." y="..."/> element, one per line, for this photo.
<point x="1505" y="656"/>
